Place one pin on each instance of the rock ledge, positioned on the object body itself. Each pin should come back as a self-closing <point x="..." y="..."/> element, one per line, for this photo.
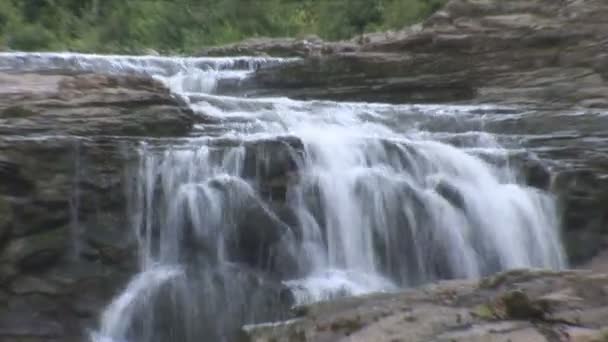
<point x="520" y="305"/>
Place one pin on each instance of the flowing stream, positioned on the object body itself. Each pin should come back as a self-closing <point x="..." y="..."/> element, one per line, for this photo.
<point x="273" y="202"/>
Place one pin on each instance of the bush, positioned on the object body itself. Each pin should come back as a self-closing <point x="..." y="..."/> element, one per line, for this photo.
<point x="187" y="25"/>
<point x="31" y="38"/>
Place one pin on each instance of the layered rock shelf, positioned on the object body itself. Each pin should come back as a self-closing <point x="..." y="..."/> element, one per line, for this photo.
<point x="66" y="142"/>
<point x="521" y="305"/>
<point x="520" y="52"/>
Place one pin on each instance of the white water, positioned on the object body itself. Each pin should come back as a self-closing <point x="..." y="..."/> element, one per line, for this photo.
<point x="377" y="197"/>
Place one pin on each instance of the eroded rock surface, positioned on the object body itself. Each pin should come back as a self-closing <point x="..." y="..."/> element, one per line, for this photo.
<point x="521" y="305"/>
<point x="66" y="146"/>
<point x="532" y="52"/>
<point x="89" y="104"/>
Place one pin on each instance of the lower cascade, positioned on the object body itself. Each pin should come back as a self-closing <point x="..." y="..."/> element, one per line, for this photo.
<point x="273" y="202"/>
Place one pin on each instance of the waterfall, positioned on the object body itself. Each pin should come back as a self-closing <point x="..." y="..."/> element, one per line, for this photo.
<point x="273" y="202"/>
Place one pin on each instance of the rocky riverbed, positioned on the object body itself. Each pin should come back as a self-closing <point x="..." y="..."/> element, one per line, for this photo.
<point x="71" y="142"/>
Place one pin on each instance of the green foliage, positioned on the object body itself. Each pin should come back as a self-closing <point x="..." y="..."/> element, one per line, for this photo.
<point x="125" y="26"/>
<point x="406" y="12"/>
<point x="32" y="37"/>
<point x="343" y="19"/>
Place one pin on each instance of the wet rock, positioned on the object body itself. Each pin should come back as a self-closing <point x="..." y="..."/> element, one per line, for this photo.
<point x="257" y="231"/>
<point x="517" y="305"/>
<point x="12" y="182"/>
<point x="29" y="326"/>
<point x="6" y="217"/>
<point x="36" y="251"/>
<point x="33" y="218"/>
<point x="583" y="195"/>
<point x="536" y="174"/>
<point x="274" y="165"/>
<point x="451" y="194"/>
<point x="29" y="285"/>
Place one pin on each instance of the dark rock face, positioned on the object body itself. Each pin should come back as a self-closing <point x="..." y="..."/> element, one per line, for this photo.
<point x="539" y="52"/>
<point x="515" y="306"/>
<point x="50" y="261"/>
<point x="65" y="246"/>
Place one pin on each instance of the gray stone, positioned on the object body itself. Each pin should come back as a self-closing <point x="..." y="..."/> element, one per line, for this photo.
<point x="33" y="285"/>
<point x="6" y="217"/>
<point x="36" y="251"/>
<point x="531" y="52"/>
<point x="523" y="305"/>
<point x="90" y="105"/>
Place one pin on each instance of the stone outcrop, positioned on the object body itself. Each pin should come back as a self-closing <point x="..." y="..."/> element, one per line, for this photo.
<point x="89" y="105"/>
<point x="531" y="306"/>
<point x="531" y="52"/>
<point x="65" y="150"/>
<point x="281" y="47"/>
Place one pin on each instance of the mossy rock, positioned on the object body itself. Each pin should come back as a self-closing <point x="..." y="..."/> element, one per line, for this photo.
<point x="484" y="311"/>
<point x="518" y="305"/>
<point x="37" y="251"/>
<point x="514" y="304"/>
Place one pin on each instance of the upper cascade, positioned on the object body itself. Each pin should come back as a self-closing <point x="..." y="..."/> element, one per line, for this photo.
<point x="183" y="74"/>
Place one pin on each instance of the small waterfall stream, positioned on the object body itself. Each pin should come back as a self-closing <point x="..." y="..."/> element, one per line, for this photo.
<point x="274" y="202"/>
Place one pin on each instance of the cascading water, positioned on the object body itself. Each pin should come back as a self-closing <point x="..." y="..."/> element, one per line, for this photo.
<point x="274" y="202"/>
